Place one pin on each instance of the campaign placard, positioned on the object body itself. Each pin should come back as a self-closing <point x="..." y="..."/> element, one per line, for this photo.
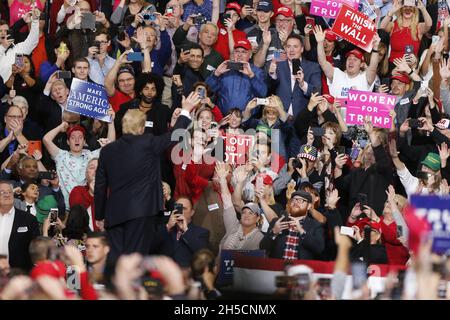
<point x="355" y="27"/>
<point x="237" y="148"/>
<point x="330" y="8"/>
<point x="88" y="99"/>
<point x="225" y="275"/>
<point x="436" y="210"/>
<point x="377" y="106"/>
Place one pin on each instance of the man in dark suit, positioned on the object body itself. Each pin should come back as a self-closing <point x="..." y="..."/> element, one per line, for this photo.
<point x="17" y="229"/>
<point x="295" y="96"/>
<point x="300" y="237"/>
<point x="180" y="238"/>
<point x="128" y="187"/>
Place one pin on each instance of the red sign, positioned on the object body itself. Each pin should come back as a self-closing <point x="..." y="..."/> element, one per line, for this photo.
<point x="355" y="27"/>
<point x="237" y="148"/>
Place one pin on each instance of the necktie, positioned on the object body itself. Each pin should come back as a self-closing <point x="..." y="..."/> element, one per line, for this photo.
<point x="29" y="208"/>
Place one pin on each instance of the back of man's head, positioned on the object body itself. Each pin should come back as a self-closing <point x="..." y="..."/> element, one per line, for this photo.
<point x="39" y="249"/>
<point x="133" y="122"/>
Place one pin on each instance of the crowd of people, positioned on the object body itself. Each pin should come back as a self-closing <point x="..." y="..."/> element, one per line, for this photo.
<point x="142" y="206"/>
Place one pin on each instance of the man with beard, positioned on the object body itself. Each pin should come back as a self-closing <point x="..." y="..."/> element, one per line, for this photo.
<point x="149" y="87"/>
<point x="295" y="235"/>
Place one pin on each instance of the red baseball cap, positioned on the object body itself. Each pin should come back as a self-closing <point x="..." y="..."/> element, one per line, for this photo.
<point x="358" y="54"/>
<point x="243" y="43"/>
<point x="402" y="77"/>
<point x="330" y="35"/>
<point x="75" y="128"/>
<point x="234" y="6"/>
<point x="285" y="11"/>
<point x="329" y="98"/>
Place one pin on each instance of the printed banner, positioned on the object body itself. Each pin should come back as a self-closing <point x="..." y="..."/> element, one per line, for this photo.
<point x="330" y="8"/>
<point x="375" y="105"/>
<point x="355" y="27"/>
<point x="237" y="148"/>
<point x="225" y="275"/>
<point x="88" y="99"/>
<point x="436" y="210"/>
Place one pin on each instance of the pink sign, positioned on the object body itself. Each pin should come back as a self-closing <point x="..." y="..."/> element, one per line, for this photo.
<point x="374" y="105"/>
<point x="330" y="8"/>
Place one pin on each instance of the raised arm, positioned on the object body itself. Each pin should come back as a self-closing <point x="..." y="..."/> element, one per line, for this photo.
<point x="387" y="24"/>
<point x="51" y="135"/>
<point x="111" y="77"/>
<point x="425" y="26"/>
<point x="240" y="175"/>
<point x="327" y="67"/>
<point x="371" y="72"/>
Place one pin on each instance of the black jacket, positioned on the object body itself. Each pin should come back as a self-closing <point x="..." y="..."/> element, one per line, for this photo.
<point x="128" y="178"/>
<point x="374" y="181"/>
<point x="182" y="250"/>
<point x="25" y="228"/>
<point x="311" y="245"/>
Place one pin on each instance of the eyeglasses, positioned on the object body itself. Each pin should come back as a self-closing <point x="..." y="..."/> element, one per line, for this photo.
<point x="103" y="42"/>
<point x="6" y="193"/>
<point x="126" y="80"/>
<point x="299" y="200"/>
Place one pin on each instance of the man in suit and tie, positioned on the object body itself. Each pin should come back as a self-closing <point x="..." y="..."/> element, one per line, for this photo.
<point x="298" y="237"/>
<point x="17" y="229"/>
<point x="181" y="239"/>
<point x="294" y="87"/>
<point x="128" y="187"/>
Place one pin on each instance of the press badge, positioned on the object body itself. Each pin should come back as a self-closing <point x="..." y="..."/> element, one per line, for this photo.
<point x="210" y="68"/>
<point x="22" y="229"/>
<point x="212" y="207"/>
<point x="184" y="166"/>
<point x="149" y="124"/>
<point x="223" y="31"/>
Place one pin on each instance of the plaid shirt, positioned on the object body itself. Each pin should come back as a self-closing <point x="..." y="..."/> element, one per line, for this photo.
<point x="291" y="245"/>
<point x="205" y="9"/>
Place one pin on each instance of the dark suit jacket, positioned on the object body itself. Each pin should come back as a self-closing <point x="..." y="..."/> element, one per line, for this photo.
<point x="50" y="113"/>
<point x="181" y="251"/>
<point x="130" y="169"/>
<point x="297" y="97"/>
<point x="310" y="246"/>
<point x="19" y="242"/>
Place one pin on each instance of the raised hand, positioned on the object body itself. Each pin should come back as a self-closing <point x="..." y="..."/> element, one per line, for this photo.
<point x="319" y="34"/>
<point x="222" y="170"/>
<point x="191" y="101"/>
<point x="444" y="69"/>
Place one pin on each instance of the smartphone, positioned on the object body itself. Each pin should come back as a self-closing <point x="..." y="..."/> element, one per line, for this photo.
<point x="202" y="93"/>
<point x="48" y="175"/>
<point x="149" y="17"/>
<point x="262" y="101"/>
<point x="88" y="21"/>
<point x="359" y="275"/>
<point x="311" y="21"/>
<point x="295" y="66"/>
<point x="399" y="231"/>
<point x="135" y="56"/>
<point x="286" y="216"/>
<point x="199" y="19"/>
<point x="415" y="123"/>
<point x="169" y="10"/>
<point x="225" y="16"/>
<point x="410" y="3"/>
<point x="347" y="231"/>
<point x="53" y="215"/>
<point x="435" y="39"/>
<point x="362" y="199"/>
<point x="178" y="208"/>
<point x="340" y="149"/>
<point x="64" y="75"/>
<point x="96" y="44"/>
<point x="19" y="60"/>
<point x="318" y="131"/>
<point x="237" y="66"/>
<point x="34" y="145"/>
<point x="277" y="55"/>
<point x="409" y="49"/>
<point x="354" y="153"/>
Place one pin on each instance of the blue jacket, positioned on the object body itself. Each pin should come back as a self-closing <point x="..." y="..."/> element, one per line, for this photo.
<point x="235" y="90"/>
<point x="297" y="97"/>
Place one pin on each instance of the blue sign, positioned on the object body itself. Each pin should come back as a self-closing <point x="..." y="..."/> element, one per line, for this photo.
<point x="225" y="276"/>
<point x="88" y="99"/>
<point x="436" y="210"/>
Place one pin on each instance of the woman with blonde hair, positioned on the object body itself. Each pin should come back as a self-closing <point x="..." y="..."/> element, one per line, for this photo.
<point x="406" y="30"/>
